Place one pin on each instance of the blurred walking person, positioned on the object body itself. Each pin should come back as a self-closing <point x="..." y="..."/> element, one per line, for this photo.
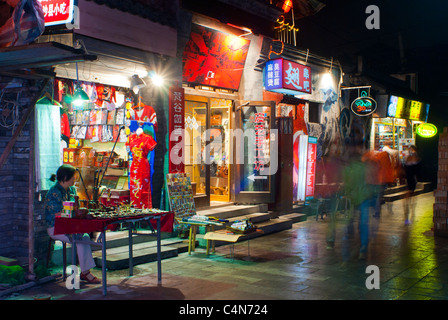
<point x="360" y="194"/>
<point x="412" y="171"/>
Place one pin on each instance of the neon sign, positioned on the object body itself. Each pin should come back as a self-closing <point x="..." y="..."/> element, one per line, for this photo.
<point x="363" y="106"/>
<point x="287" y="77"/>
<point x="426" y="130"/>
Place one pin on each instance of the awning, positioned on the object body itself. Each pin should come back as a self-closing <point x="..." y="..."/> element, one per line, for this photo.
<point x="36" y="59"/>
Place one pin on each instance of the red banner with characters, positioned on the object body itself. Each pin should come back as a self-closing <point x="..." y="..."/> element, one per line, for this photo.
<point x="57" y="11"/>
<point x="176" y="129"/>
<point x="311" y="168"/>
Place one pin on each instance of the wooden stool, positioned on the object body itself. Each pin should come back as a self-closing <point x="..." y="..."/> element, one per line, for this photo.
<point x="64" y="256"/>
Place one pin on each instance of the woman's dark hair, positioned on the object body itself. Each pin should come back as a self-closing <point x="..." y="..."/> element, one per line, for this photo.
<point x="64" y="173"/>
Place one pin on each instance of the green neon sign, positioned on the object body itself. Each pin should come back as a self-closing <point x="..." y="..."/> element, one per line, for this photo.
<point x="426" y="130"/>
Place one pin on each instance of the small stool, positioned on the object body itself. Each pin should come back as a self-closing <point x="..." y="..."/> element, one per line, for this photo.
<point x="64" y="256"/>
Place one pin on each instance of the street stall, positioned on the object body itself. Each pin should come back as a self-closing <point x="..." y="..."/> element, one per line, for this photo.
<point x="85" y="221"/>
<point x="397" y="130"/>
<point x="109" y="138"/>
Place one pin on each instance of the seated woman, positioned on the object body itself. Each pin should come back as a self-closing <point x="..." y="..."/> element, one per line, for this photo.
<point x="62" y="191"/>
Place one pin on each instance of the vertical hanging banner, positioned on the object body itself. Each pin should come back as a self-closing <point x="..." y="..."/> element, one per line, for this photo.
<point x="311" y="168"/>
<point x="176" y="129"/>
<point x="57" y="11"/>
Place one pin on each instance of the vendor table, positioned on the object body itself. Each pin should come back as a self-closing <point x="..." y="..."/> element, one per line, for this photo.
<point x="163" y="221"/>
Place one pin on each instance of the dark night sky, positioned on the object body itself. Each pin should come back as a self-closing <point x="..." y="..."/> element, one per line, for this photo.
<point x="339" y="31"/>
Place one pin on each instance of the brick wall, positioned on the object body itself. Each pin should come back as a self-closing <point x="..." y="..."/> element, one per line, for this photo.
<point x="14" y="173"/>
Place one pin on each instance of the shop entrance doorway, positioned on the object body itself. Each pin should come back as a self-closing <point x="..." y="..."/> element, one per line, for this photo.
<point x="255" y="152"/>
<point x="207" y="145"/>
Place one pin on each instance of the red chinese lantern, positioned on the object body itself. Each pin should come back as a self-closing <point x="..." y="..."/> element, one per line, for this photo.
<point x="287" y="5"/>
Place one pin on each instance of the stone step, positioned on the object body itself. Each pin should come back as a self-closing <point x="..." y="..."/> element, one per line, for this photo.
<point x="401" y="195"/>
<point x="145" y="254"/>
<point x="118" y="257"/>
<point x="231" y="211"/>
<point x="295" y="217"/>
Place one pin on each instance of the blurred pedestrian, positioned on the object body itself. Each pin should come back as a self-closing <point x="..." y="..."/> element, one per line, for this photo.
<point x="332" y="183"/>
<point x="359" y="192"/>
<point x="412" y="171"/>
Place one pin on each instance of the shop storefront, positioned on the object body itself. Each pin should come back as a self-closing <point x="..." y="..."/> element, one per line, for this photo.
<point x="398" y="129"/>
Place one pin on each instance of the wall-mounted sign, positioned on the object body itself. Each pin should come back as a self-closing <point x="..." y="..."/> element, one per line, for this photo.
<point x="311" y="168"/>
<point x="363" y="106"/>
<point x="214" y="58"/>
<point x="287" y="77"/>
<point x="176" y="129"/>
<point x="426" y="130"/>
<point x="57" y="11"/>
<point x="402" y="108"/>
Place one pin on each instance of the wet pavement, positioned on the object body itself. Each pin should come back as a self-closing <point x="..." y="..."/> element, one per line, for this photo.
<point x="294" y="264"/>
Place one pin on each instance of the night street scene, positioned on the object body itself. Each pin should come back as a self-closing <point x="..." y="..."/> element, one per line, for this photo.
<point x="219" y="158"/>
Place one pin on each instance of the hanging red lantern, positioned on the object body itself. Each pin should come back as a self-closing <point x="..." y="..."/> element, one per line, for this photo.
<point x="287" y="5"/>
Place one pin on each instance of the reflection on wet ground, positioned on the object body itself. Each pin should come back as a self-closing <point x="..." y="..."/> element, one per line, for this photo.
<point x="295" y="264"/>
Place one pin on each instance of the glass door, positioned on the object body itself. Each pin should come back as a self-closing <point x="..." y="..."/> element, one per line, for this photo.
<point x="195" y="128"/>
<point x="255" y="153"/>
<point x="220" y="115"/>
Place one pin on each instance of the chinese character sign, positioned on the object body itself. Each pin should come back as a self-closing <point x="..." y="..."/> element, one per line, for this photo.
<point x="287" y="77"/>
<point x="57" y="11"/>
<point x="260" y="140"/>
<point x="177" y="126"/>
<point x="311" y="167"/>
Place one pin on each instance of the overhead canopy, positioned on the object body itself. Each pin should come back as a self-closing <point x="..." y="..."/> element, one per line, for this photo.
<point x="36" y="59"/>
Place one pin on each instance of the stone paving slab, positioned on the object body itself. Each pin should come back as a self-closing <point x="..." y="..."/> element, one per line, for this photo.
<point x="293" y="264"/>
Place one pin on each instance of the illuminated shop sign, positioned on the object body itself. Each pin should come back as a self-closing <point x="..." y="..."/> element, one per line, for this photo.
<point x="363" y="106"/>
<point x="402" y="108"/>
<point x="57" y="11"/>
<point x="287" y="77"/>
<point x="426" y="130"/>
<point x="214" y="58"/>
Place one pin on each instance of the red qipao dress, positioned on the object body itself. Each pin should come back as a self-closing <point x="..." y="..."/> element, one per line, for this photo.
<point x="140" y="175"/>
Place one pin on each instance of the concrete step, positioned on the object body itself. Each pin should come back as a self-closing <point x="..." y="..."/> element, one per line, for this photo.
<point x="118" y="258"/>
<point x="231" y="211"/>
<point x="295" y="217"/>
<point x="401" y="195"/>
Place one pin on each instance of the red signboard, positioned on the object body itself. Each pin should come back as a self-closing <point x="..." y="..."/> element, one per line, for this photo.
<point x="287" y="77"/>
<point x="311" y="168"/>
<point x="213" y="58"/>
<point x="57" y="11"/>
<point x="176" y="129"/>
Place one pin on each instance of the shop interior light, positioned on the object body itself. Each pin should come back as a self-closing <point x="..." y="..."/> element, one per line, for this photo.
<point x="137" y="83"/>
<point x="80" y="96"/>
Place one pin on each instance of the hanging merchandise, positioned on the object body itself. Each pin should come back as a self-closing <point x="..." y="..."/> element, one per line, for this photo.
<point x="144" y="113"/>
<point x="140" y="144"/>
